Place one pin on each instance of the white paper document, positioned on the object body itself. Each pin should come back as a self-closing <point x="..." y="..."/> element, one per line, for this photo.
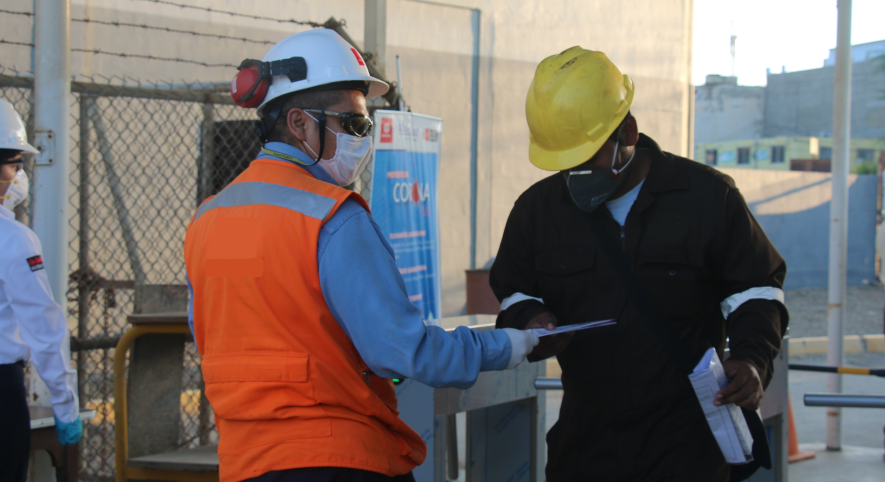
<point x="539" y="332"/>
<point x="726" y="421"/>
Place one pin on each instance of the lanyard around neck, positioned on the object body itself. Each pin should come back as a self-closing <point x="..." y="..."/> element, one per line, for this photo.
<point x="286" y="157"/>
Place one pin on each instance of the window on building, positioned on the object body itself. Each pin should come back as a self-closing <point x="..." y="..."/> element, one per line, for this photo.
<point x="711" y="157"/>
<point x="744" y="155"/>
<point x="777" y="154"/>
<point x="866" y="155"/>
<point x="825" y="153"/>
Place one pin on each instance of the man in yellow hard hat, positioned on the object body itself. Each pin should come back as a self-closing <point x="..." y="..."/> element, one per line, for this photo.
<point x="664" y="245"/>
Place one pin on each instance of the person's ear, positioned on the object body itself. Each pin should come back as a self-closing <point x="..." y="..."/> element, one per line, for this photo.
<point x="630" y="132"/>
<point x="296" y="124"/>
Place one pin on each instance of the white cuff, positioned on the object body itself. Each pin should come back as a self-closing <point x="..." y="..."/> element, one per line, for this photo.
<point x="733" y="302"/>
<point x="516" y="298"/>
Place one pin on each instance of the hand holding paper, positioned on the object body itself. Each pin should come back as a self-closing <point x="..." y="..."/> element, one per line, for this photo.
<point x="726" y="421"/>
<point x="550" y="345"/>
<point x="745" y="389"/>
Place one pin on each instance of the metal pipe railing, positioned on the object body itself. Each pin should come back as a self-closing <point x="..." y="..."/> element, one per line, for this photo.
<point x="548" y="384"/>
<point x="847" y="401"/>
<point x="879" y="372"/>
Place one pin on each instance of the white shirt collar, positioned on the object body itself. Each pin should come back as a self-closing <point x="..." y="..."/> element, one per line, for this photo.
<point x="6" y="213"/>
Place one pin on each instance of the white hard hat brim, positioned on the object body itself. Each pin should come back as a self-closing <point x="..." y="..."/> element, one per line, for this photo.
<point x="17" y="144"/>
<point x="26" y="148"/>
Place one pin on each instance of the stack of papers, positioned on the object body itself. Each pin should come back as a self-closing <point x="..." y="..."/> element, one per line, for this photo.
<point x="726" y="421"/>
<point x="539" y="332"/>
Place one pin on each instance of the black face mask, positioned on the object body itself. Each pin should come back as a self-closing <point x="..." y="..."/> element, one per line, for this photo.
<point x="590" y="188"/>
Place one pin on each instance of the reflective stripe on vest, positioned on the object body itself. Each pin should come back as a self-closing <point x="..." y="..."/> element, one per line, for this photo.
<point x="251" y="193"/>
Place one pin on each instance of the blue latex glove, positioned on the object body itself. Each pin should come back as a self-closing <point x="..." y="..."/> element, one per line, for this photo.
<point x="69" y="433"/>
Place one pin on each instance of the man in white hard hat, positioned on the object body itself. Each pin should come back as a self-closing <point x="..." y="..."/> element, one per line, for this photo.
<point x="32" y="325"/>
<point x="298" y="309"/>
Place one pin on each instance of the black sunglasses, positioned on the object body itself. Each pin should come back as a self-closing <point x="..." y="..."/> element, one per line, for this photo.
<point x="355" y="124"/>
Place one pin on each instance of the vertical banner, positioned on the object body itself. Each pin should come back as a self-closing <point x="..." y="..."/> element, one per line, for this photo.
<point x="404" y="201"/>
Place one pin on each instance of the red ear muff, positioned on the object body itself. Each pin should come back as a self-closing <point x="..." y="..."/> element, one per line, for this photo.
<point x="248" y="87"/>
<point x="251" y="82"/>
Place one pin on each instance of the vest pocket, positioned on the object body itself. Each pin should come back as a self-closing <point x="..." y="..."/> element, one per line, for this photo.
<point x="259" y="385"/>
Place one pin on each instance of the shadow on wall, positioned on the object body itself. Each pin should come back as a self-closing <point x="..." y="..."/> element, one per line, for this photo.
<point x="794" y="210"/>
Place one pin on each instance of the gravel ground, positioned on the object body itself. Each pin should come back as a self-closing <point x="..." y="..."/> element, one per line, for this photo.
<point x="808" y="311"/>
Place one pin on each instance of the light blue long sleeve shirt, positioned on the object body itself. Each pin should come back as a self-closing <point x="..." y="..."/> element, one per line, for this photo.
<point x="365" y="292"/>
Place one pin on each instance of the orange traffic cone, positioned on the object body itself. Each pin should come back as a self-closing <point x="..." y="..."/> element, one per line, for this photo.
<point x="793" y="452"/>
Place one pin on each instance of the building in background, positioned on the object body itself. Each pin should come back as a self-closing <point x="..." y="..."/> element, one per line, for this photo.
<point x="786" y="153"/>
<point x="791" y="119"/>
<point x="726" y="111"/>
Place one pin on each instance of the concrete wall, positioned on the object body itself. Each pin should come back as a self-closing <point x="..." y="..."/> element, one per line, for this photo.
<point x="794" y="210"/>
<point x="726" y="112"/>
<point x="648" y="39"/>
<point x="801" y="103"/>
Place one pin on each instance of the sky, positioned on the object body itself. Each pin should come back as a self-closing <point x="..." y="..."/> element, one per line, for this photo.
<point x="775" y="34"/>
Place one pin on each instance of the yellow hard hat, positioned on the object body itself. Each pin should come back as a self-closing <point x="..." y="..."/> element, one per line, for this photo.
<point x="576" y="100"/>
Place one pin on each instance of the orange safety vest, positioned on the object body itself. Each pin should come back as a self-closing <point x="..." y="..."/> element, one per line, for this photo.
<point x="288" y="387"/>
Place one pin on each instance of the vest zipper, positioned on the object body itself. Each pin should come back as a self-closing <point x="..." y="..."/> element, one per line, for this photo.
<point x="623" y="239"/>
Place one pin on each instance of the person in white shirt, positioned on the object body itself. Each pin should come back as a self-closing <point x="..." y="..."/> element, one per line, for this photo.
<point x="32" y="325"/>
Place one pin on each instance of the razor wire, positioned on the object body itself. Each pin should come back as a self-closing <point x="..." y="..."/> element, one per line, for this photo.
<point x="143" y="156"/>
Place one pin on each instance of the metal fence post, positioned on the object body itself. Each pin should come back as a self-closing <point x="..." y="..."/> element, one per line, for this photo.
<point x="206" y="174"/>
<point x="107" y="157"/>
<point x="83" y="298"/>
<point x="52" y="89"/>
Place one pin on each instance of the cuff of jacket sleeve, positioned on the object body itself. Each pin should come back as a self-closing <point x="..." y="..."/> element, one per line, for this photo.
<point x="66" y="412"/>
<point x="496" y="350"/>
<point x="519" y="315"/>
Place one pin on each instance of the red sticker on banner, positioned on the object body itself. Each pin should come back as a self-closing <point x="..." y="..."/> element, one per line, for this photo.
<point x="386" y="129"/>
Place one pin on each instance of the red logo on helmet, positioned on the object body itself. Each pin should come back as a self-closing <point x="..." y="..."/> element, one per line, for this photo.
<point x="386" y="129"/>
<point x="359" y="58"/>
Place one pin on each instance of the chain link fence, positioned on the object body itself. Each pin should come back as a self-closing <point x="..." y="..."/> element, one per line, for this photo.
<point x="143" y="157"/>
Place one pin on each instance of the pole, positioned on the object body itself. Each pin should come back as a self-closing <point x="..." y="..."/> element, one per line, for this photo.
<point x="83" y="292"/>
<point x="475" y="22"/>
<point x="399" y="85"/>
<point x="375" y="35"/>
<point x="839" y="217"/>
<point x="52" y="90"/>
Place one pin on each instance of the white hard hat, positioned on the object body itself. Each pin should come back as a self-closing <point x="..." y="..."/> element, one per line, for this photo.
<point x="12" y="130"/>
<point x="330" y="59"/>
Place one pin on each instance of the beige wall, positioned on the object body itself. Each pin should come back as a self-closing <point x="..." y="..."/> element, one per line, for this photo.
<point x="648" y="39"/>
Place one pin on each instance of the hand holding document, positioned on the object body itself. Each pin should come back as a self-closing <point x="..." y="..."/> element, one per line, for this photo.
<point x="539" y="332"/>
<point x="726" y="421"/>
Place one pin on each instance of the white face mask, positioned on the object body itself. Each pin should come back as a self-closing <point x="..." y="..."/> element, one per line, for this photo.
<point x="351" y="156"/>
<point x="17" y="192"/>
